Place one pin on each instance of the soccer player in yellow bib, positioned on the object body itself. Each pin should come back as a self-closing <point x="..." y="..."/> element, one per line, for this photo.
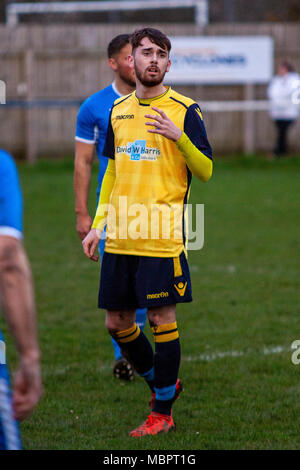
<point x="156" y="141"/>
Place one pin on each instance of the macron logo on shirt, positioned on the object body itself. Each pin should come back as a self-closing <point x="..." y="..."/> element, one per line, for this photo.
<point x="125" y="116"/>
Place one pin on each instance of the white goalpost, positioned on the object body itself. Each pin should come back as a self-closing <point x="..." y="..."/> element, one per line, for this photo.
<point x="14" y="10"/>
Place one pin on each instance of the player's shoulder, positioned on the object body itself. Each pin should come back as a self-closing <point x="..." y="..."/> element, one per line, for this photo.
<point x="121" y="105"/>
<point x="182" y="100"/>
<point x="8" y="171"/>
<point x="7" y="162"/>
<point x="91" y="103"/>
<point x="276" y="79"/>
<point x="294" y="78"/>
<point x="122" y="99"/>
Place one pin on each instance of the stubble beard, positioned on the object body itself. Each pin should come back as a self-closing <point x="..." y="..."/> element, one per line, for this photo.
<point x="128" y="80"/>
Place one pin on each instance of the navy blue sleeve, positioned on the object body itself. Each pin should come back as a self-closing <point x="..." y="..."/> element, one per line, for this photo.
<point x="109" y="147"/>
<point x="11" y="200"/>
<point x="195" y="130"/>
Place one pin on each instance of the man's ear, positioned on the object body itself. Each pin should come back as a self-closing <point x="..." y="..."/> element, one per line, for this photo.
<point x="131" y="60"/>
<point x="112" y="63"/>
<point x="168" y="66"/>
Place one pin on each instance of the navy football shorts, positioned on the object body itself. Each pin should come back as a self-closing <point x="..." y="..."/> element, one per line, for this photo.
<point x="128" y="282"/>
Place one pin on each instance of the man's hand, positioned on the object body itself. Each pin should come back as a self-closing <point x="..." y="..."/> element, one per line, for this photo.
<point x="83" y="225"/>
<point x="90" y="244"/>
<point x="163" y="125"/>
<point x="27" y="387"/>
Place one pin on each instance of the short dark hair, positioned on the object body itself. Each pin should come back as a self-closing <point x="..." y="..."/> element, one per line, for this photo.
<point x="155" y="36"/>
<point x="288" y="66"/>
<point x="117" y="44"/>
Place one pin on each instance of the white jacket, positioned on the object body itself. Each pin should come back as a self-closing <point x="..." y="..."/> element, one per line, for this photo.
<point x="283" y="96"/>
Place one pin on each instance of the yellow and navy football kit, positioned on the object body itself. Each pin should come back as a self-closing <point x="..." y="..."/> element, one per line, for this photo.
<point x="151" y="175"/>
<point x="147" y="170"/>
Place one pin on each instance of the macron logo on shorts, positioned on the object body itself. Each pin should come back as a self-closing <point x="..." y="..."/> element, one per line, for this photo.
<point x="158" y="296"/>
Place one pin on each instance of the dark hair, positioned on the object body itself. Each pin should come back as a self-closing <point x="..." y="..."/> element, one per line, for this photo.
<point x="155" y="36"/>
<point x="288" y="66"/>
<point x="117" y="43"/>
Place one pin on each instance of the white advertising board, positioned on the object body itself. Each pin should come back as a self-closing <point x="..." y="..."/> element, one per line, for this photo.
<point x="221" y="60"/>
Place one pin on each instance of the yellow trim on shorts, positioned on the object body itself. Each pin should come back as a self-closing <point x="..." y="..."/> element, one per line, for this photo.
<point x="177" y="267"/>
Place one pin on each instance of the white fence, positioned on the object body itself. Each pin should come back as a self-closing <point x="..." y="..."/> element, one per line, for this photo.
<point x="49" y="70"/>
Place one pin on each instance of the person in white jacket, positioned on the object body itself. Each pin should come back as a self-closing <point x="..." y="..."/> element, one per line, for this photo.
<point x="283" y="92"/>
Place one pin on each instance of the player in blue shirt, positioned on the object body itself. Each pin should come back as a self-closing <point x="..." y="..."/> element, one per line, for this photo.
<point x="92" y="124"/>
<point x="18" y="305"/>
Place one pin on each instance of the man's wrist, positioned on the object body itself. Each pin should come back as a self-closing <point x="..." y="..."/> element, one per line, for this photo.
<point x="178" y="136"/>
<point x="183" y="137"/>
<point x="31" y="355"/>
<point x="82" y="213"/>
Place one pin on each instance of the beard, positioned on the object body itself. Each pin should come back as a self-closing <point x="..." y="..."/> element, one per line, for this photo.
<point x="128" y="79"/>
<point x="151" y="81"/>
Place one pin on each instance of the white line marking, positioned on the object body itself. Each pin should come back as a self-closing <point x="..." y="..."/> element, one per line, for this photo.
<point x="208" y="357"/>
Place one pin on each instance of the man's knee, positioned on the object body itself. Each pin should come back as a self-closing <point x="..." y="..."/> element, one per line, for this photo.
<point x="118" y="321"/>
<point x="162" y="315"/>
<point x="111" y="325"/>
<point x="154" y="319"/>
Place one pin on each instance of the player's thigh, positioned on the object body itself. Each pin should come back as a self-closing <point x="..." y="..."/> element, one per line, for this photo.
<point x="163" y="282"/>
<point x="116" y="291"/>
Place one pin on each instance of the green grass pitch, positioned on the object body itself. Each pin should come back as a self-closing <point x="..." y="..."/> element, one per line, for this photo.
<point x="241" y="388"/>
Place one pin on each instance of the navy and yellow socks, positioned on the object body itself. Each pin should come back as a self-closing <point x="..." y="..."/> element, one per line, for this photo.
<point x="166" y="366"/>
<point x="160" y="370"/>
<point x="138" y="350"/>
